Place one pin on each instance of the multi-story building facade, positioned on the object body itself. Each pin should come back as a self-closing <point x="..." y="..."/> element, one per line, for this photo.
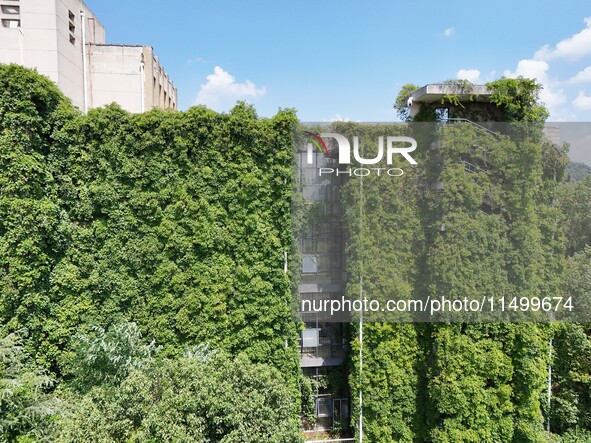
<point x="324" y="339"/>
<point x="65" y="41"/>
<point x="323" y="342"/>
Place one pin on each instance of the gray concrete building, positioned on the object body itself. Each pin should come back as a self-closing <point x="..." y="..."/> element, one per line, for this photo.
<point x="433" y="95"/>
<point x="65" y="41"/>
<point x="130" y="75"/>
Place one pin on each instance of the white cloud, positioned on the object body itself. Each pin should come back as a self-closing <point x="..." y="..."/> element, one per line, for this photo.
<point x="574" y="47"/>
<point x="472" y="75"/>
<point x="222" y="91"/>
<point x="448" y="32"/>
<point x="558" y="93"/>
<point x="338" y="118"/>
<point x="538" y="70"/>
<point x="583" y="76"/>
<point x="582" y="101"/>
<point x="530" y="69"/>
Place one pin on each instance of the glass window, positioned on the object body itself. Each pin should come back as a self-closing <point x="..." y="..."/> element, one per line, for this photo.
<point x="13" y="24"/>
<point x="310" y="337"/>
<point x="309" y="264"/>
<point x="345" y="408"/>
<point x="308" y="245"/>
<point x="9" y="9"/>
<point x="324" y="407"/>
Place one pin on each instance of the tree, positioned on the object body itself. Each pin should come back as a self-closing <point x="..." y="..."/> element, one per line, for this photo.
<point x="571" y="400"/>
<point x="26" y="407"/>
<point x="105" y="357"/>
<point x="401" y="105"/>
<point x="202" y="397"/>
<point x="575" y="203"/>
<point x="33" y="227"/>
<point x="519" y="99"/>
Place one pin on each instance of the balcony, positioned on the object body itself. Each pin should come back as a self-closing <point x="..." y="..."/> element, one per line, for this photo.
<point x="332" y="412"/>
<point x="320" y="351"/>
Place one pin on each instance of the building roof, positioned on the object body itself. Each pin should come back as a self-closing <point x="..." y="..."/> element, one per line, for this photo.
<point x="435" y="92"/>
<point x="119" y="45"/>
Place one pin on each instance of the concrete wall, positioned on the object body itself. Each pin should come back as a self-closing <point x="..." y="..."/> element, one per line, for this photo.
<point x="116" y="76"/>
<point x="36" y="45"/>
<point x="117" y="73"/>
<point x="49" y="38"/>
<point x="160" y="92"/>
<point x="69" y="46"/>
<point x="44" y="41"/>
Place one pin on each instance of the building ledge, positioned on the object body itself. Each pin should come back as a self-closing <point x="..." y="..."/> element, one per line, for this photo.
<point x="117" y="45"/>
<point x="314" y="362"/>
<point x="435" y="92"/>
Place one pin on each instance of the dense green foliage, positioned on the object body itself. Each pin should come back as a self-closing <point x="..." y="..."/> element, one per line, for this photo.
<point x="25" y="407"/>
<point x="515" y="100"/>
<point x="576" y="205"/>
<point x="105" y="357"/>
<point x="144" y="255"/>
<point x="175" y="221"/>
<point x="578" y="171"/>
<point x="387" y="232"/>
<point x="571" y="402"/>
<point x="477" y="217"/>
<point x="201" y="397"/>
<point x="519" y="99"/>
<point x="571" y="388"/>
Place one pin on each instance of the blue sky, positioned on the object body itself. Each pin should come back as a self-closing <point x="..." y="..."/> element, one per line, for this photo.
<point x="348" y="59"/>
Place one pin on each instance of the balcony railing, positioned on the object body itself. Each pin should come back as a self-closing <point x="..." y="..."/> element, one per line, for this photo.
<point x="478" y="126"/>
<point x="326" y="349"/>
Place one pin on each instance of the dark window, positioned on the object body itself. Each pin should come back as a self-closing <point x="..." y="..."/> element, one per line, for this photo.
<point x="11" y="10"/>
<point x="11" y="23"/>
<point x="442" y="114"/>
<point x="72" y="27"/>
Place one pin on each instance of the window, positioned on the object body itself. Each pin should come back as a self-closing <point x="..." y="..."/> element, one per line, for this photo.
<point x="10" y="23"/>
<point x="310" y="338"/>
<point x="72" y="27"/>
<point x="323" y="407"/>
<point x="309" y="264"/>
<point x="442" y="114"/>
<point x="10" y="10"/>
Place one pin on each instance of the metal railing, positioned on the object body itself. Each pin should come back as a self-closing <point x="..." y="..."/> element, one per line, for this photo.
<point x="488" y="131"/>
<point x="472" y="168"/>
<point x="325" y="350"/>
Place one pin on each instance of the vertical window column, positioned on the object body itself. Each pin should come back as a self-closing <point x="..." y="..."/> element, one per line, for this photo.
<point x="10" y="11"/>
<point x="72" y="27"/>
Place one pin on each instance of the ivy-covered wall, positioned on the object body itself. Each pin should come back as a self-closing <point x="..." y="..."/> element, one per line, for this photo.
<point x="180" y="221"/>
<point x="175" y="220"/>
<point x="492" y="228"/>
